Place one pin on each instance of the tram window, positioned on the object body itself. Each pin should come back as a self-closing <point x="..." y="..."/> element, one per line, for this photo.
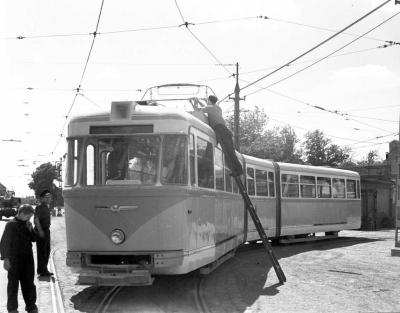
<point x="75" y="161"/>
<point x="219" y="169"/>
<point x="351" y="189"/>
<point x="250" y="181"/>
<point x="338" y="188"/>
<point x="228" y="180"/>
<point x="90" y="165"/>
<point x="71" y="174"/>
<point x="174" y="164"/>
<point x="271" y="184"/>
<point x="290" y="185"/>
<point x="192" y="155"/>
<point x="262" y="183"/>
<point x="324" y="187"/>
<point x="307" y="186"/>
<point x="205" y="163"/>
<point x="133" y="159"/>
<point x="358" y="190"/>
<point x="235" y="186"/>
<point x="143" y="158"/>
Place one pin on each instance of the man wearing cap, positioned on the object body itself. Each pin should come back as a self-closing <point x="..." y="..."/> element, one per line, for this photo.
<point x="42" y="222"/>
<point x="224" y="135"/>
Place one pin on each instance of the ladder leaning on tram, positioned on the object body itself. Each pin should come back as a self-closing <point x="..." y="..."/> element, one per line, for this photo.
<point x="224" y="137"/>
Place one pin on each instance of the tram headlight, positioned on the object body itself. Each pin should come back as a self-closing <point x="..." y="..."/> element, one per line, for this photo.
<point x="117" y="236"/>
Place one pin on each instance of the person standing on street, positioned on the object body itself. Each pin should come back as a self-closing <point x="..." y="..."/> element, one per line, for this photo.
<point x="16" y="252"/>
<point x="42" y="222"/>
<point x="223" y="134"/>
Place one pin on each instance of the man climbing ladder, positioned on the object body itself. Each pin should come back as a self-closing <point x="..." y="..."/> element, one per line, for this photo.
<point x="224" y="137"/>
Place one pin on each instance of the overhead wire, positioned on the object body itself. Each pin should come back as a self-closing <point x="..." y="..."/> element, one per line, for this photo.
<point x="311" y="60"/>
<point x="81" y="79"/>
<point x="373" y="139"/>
<point x="90" y="100"/>
<point x="20" y="37"/>
<point x="187" y="24"/>
<point x="313" y="48"/>
<point x="350" y="145"/>
<point x="321" y="59"/>
<point x="320" y="28"/>
<point x="321" y="108"/>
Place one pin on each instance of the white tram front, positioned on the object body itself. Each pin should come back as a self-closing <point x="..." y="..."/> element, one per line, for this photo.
<point x="173" y="207"/>
<point x="164" y="215"/>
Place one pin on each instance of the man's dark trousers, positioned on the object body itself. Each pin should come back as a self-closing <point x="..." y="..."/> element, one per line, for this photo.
<point x="22" y="270"/>
<point x="224" y="137"/>
<point x="43" y="251"/>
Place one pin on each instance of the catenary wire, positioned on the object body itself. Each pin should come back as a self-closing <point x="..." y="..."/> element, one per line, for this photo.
<point x="311" y="60"/>
<point x="319" y="28"/>
<point x="186" y="24"/>
<point x="323" y="58"/>
<point x="321" y="108"/>
<point x="81" y="79"/>
<point x="313" y="48"/>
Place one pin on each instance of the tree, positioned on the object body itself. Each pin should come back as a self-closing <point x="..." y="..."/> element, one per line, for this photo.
<point x="319" y="150"/>
<point x="252" y="126"/>
<point x="370" y="159"/>
<point x="278" y="143"/>
<point x="43" y="179"/>
<point x="283" y="141"/>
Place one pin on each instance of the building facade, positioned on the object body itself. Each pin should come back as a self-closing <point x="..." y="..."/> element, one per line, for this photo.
<point x="3" y="190"/>
<point x="380" y="191"/>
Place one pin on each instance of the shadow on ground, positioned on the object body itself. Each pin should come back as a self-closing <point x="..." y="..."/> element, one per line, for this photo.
<point x="244" y="276"/>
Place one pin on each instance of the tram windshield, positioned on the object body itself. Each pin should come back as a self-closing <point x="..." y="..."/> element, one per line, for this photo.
<point x="139" y="160"/>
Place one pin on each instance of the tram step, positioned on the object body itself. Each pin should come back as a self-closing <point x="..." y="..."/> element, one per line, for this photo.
<point x="134" y="278"/>
<point x="205" y="270"/>
<point x="306" y="239"/>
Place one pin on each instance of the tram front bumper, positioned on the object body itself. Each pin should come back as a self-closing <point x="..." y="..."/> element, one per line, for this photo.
<point x="133" y="278"/>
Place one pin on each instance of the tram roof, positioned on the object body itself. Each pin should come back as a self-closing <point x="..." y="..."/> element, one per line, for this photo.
<point x="309" y="169"/>
<point x="323" y="170"/>
<point x="160" y="116"/>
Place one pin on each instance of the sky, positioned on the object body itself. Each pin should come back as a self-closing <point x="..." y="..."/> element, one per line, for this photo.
<point x="141" y="44"/>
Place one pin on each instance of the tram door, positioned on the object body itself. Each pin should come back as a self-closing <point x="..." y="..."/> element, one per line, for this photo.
<point x="202" y="220"/>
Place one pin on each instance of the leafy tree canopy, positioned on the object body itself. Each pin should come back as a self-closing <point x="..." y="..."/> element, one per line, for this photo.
<point x="43" y="179"/>
<point x="319" y="150"/>
<point x="372" y="158"/>
<point x="278" y="143"/>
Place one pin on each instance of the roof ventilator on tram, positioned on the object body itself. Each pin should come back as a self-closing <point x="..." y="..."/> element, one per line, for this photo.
<point x="122" y="110"/>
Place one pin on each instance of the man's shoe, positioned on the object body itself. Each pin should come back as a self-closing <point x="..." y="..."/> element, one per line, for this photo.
<point x="46" y="274"/>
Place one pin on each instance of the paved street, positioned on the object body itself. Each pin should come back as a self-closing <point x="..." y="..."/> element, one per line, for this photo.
<point x="354" y="273"/>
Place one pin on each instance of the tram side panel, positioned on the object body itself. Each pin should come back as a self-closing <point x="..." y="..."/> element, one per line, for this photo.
<point x="214" y="226"/>
<point x="266" y="211"/>
<point x="302" y="216"/>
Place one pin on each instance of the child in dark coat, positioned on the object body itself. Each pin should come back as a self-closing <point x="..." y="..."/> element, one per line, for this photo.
<point x="16" y="252"/>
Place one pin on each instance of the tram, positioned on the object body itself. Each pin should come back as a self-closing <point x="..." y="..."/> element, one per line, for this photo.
<point x="147" y="193"/>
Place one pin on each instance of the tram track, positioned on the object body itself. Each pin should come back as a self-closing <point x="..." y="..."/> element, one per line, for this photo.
<point x="200" y="305"/>
<point x="199" y="299"/>
<point x="107" y="300"/>
<point x="55" y="290"/>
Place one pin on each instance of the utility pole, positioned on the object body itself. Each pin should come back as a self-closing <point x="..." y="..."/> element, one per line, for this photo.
<point x="396" y="249"/>
<point x="237" y="110"/>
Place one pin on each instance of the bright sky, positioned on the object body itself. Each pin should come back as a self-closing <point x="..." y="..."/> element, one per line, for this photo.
<point x="361" y="80"/>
